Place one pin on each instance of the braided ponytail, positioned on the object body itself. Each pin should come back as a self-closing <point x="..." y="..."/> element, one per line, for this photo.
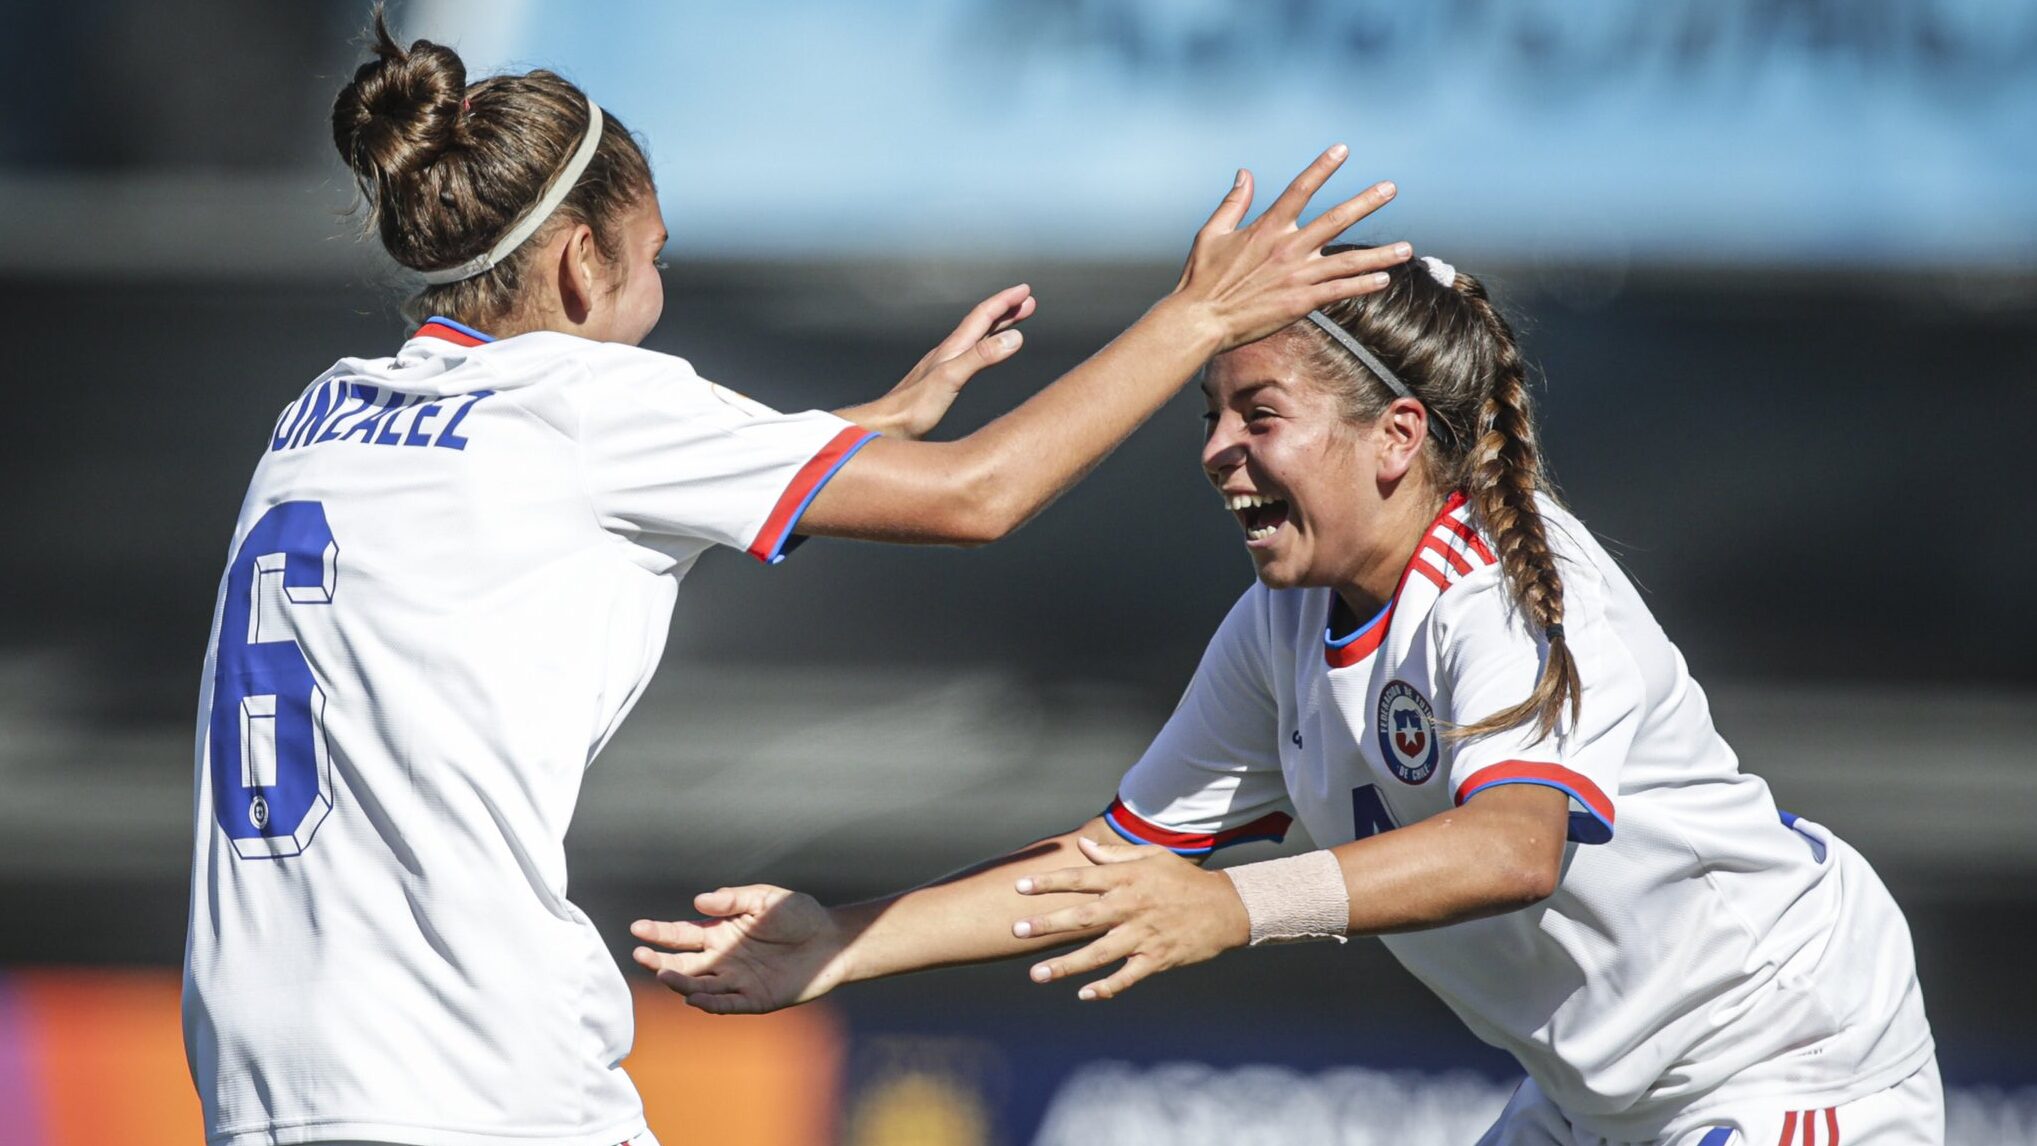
<point x="1505" y="472"/>
<point x="1450" y="346"/>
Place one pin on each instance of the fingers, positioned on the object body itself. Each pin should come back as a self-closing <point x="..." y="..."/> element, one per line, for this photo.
<point x="1335" y="221"/>
<point x="751" y="899"/>
<point x="999" y="309"/>
<point x="684" y="962"/>
<point x="991" y="351"/>
<point x="1102" y="953"/>
<point x="726" y="1004"/>
<point x="1085" y="917"/>
<point x="1067" y="879"/>
<point x="1024" y="310"/>
<point x="1120" y="980"/>
<point x="1113" y="851"/>
<point x="690" y="985"/>
<point x="1359" y="263"/>
<point x="1286" y="209"/>
<point x="676" y="936"/>
<point x="1231" y="211"/>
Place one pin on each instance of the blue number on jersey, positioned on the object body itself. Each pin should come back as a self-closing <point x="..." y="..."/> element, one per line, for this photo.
<point x="271" y="774"/>
<point x="1369" y="816"/>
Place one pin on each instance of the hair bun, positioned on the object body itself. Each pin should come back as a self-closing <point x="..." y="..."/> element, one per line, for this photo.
<point x="402" y="110"/>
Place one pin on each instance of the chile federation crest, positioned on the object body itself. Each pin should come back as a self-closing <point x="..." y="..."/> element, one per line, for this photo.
<point x="1407" y="733"/>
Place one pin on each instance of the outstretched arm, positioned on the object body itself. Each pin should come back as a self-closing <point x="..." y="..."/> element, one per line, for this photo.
<point x="1241" y="283"/>
<point x="761" y="948"/>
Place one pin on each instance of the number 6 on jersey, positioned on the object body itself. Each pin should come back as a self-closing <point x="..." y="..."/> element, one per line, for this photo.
<point x="271" y="774"/>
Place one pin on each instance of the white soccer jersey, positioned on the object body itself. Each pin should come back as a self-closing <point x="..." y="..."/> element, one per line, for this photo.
<point x="450" y="580"/>
<point x="1698" y="950"/>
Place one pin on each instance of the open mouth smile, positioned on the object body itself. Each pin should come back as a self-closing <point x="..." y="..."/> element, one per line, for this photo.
<point x="1260" y="516"/>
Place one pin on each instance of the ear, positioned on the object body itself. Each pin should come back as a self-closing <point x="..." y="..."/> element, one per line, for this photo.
<point x="579" y="269"/>
<point x="1402" y="429"/>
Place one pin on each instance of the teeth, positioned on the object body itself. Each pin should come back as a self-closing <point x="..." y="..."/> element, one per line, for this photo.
<point x="1238" y="501"/>
<point x="1262" y="533"/>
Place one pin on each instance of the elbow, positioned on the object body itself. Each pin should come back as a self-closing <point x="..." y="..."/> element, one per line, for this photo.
<point x="1524" y="881"/>
<point x="985" y="507"/>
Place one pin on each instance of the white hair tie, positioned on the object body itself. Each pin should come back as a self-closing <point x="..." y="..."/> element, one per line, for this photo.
<point x="555" y="194"/>
<point x="1439" y="270"/>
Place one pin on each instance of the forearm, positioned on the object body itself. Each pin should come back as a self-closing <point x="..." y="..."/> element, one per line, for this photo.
<point x="1022" y="461"/>
<point x="964" y="918"/>
<point x="1500" y="853"/>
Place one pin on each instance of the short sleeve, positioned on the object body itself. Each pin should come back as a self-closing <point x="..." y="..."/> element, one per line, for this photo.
<point x="1212" y="777"/>
<point x="667" y="452"/>
<point x="1488" y="660"/>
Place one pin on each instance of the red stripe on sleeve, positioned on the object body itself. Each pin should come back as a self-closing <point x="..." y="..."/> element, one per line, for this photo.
<point x="1526" y="772"/>
<point x="1789" y="1128"/>
<point x="1272" y="825"/>
<point x="1831" y="1126"/>
<point x="783" y="514"/>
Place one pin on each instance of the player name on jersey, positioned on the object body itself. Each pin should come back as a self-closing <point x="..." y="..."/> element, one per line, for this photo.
<point x="337" y="410"/>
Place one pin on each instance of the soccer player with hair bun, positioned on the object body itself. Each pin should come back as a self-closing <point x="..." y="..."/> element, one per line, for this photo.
<point x="1507" y="769"/>
<point x="453" y="574"/>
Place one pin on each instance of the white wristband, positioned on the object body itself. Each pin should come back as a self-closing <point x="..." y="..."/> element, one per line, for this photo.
<point x="1295" y="898"/>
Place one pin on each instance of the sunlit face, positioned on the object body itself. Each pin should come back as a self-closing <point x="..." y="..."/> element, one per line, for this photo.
<point x="1299" y="478"/>
<point x="634" y="294"/>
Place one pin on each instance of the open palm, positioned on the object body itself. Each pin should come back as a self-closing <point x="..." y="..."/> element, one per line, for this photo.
<point x="759" y="949"/>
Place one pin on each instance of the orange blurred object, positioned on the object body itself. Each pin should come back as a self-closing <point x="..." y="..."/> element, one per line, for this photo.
<point x="103" y="1052"/>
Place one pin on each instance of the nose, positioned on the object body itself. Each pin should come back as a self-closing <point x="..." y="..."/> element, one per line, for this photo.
<point x="1223" y="449"/>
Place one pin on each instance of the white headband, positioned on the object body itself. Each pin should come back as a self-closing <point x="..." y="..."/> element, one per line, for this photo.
<point x="555" y="194"/>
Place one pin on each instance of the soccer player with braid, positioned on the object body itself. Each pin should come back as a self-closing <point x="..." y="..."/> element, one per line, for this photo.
<point x="1507" y="769"/>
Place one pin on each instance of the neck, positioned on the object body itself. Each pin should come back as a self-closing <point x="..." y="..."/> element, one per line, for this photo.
<point x="1405" y="518"/>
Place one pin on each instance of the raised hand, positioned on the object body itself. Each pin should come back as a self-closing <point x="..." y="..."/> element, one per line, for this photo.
<point x="1253" y="280"/>
<point x="984" y="338"/>
<point x="1161" y="911"/>
<point x="761" y="948"/>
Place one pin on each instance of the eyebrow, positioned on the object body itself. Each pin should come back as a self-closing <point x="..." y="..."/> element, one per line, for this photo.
<point x="1244" y="391"/>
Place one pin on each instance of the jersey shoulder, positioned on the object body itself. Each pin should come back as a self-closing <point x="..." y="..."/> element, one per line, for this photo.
<point x="1483" y="598"/>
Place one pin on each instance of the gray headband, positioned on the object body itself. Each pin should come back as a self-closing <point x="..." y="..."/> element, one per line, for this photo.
<point x="1444" y="274"/>
<point x="1332" y="328"/>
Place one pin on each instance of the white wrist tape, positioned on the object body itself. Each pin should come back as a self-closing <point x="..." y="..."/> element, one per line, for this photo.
<point x="1294" y="898"/>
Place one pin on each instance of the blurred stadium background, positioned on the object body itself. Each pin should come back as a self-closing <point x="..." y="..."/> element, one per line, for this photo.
<point x="1778" y="260"/>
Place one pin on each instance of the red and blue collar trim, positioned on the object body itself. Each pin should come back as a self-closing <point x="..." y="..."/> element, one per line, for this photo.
<point x="457" y="333"/>
<point x="1444" y="537"/>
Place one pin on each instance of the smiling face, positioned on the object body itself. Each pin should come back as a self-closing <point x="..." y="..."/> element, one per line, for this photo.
<point x="1296" y="474"/>
<point x="1322" y="500"/>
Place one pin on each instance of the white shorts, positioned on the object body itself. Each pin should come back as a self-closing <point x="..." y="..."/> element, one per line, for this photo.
<point x="1910" y="1113"/>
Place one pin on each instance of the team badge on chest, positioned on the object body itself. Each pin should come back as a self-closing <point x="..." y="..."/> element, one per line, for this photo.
<point x="1407" y="733"/>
